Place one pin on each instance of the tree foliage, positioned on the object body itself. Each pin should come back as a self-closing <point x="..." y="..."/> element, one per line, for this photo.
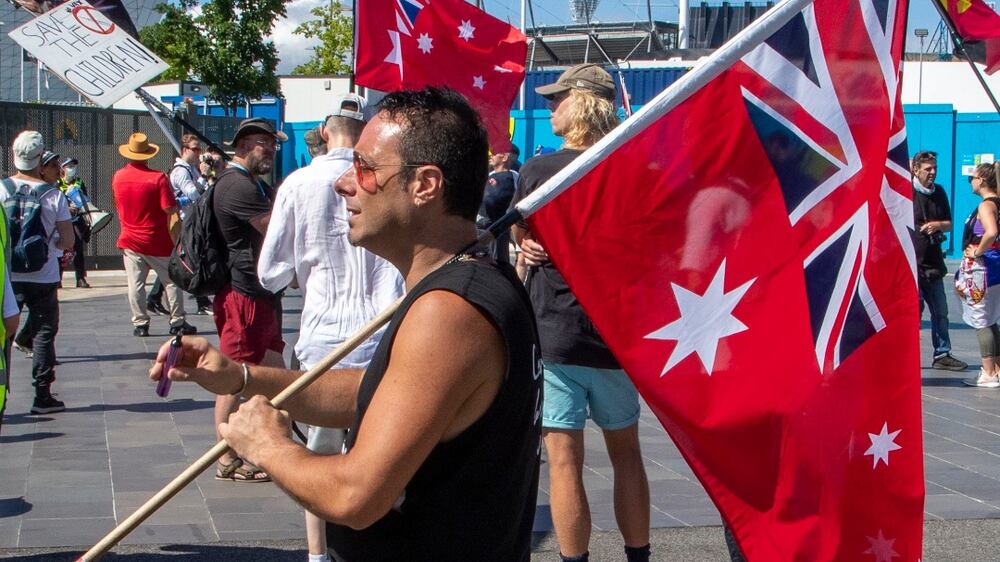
<point x="335" y="31"/>
<point x="223" y="46"/>
<point x="176" y="39"/>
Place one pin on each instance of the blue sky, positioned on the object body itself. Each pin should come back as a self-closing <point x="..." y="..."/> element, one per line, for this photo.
<point x="555" y="12"/>
<point x="295" y="49"/>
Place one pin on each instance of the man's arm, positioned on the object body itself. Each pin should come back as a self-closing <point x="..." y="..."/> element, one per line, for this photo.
<point x="260" y="222"/>
<point x="173" y="223"/>
<point x="438" y="383"/>
<point x="328" y="402"/>
<point x="183" y="180"/>
<point x="276" y="264"/>
<point x="66" y="237"/>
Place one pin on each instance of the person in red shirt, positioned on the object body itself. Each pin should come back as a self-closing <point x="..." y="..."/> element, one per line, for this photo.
<point x="147" y="211"/>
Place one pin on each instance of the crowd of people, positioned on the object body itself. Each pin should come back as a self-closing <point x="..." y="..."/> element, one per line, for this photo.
<point x="481" y="348"/>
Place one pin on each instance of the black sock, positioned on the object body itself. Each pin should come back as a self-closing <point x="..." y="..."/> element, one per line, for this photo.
<point x="637" y="553"/>
<point x="585" y="557"/>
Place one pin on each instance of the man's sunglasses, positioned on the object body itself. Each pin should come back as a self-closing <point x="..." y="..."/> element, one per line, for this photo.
<point x="366" y="171"/>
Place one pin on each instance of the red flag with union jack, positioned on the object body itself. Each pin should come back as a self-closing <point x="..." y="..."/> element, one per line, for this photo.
<point x="743" y="245"/>
<point x="416" y="43"/>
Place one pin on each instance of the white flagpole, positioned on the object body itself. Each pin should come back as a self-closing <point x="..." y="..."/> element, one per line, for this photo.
<point x="727" y="55"/>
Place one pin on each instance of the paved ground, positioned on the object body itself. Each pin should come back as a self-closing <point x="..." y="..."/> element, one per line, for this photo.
<point x="67" y="478"/>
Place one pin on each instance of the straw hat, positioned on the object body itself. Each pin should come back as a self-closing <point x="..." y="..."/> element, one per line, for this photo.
<point x="138" y="148"/>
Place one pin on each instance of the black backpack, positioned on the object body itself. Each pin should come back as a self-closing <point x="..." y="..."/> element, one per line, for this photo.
<point x="29" y="242"/>
<point x="199" y="264"/>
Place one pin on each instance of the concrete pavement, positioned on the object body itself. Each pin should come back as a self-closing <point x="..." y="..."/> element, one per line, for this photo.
<point x="67" y="478"/>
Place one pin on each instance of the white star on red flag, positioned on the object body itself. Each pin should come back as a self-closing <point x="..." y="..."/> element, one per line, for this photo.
<point x="881" y="548"/>
<point x="478" y="82"/>
<point x="882" y="445"/>
<point x="705" y="319"/>
<point x="425" y="43"/>
<point x="466" y="30"/>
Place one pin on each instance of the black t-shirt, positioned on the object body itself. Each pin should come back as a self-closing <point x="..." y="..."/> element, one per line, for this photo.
<point x="238" y="198"/>
<point x="566" y="332"/>
<point x="497" y="196"/>
<point x="473" y="498"/>
<point x="929" y="208"/>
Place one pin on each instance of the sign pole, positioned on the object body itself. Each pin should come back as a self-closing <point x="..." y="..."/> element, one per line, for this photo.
<point x="163" y="126"/>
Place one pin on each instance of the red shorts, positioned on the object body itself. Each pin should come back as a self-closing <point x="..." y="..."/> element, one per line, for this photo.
<point x="247" y="326"/>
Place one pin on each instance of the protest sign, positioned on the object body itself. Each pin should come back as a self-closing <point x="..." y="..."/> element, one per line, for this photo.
<point x="92" y="54"/>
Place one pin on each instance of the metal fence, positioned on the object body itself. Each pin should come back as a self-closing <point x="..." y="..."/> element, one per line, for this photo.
<point x="92" y="136"/>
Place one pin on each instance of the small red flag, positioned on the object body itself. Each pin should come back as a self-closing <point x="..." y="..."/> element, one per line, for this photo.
<point x="745" y="252"/>
<point x="410" y="44"/>
<point x="974" y="20"/>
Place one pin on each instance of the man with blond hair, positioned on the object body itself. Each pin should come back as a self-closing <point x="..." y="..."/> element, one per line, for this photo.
<point x="581" y="375"/>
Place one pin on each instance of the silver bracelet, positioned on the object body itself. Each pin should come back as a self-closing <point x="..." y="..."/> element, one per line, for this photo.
<point x="246" y="379"/>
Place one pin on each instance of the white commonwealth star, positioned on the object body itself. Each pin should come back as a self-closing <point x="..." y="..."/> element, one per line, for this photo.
<point x="425" y="43"/>
<point x="478" y="82"/>
<point x="466" y="30"/>
<point x="881" y="548"/>
<point x="705" y="319"/>
<point x="882" y="445"/>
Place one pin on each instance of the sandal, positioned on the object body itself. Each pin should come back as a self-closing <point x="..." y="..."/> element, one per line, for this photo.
<point x="240" y="471"/>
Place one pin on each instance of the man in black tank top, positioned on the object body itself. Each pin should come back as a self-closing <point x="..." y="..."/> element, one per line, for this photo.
<point x="441" y="461"/>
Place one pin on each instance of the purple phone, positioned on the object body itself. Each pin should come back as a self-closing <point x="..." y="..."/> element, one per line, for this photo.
<point x="163" y="387"/>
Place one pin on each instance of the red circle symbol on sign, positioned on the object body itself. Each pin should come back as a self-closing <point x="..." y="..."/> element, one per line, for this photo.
<point x="84" y="15"/>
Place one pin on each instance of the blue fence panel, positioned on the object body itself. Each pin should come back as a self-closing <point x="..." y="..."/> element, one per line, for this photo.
<point x="294" y="152"/>
<point x="976" y="134"/>
<point x="931" y="127"/>
<point x="643" y="84"/>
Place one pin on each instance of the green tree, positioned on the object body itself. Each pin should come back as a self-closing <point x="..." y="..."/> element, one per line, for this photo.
<point x="176" y="39"/>
<point x="223" y="47"/>
<point x="240" y="65"/>
<point x="335" y="31"/>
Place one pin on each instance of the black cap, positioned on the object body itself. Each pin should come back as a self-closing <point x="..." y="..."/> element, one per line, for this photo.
<point x="48" y="156"/>
<point x="257" y="125"/>
<point x="68" y="161"/>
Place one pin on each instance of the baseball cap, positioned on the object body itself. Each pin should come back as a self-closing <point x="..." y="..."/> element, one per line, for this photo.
<point x="28" y="147"/>
<point x="349" y="99"/>
<point x="48" y="156"/>
<point x="590" y="77"/>
<point x="257" y="125"/>
<point x="69" y="160"/>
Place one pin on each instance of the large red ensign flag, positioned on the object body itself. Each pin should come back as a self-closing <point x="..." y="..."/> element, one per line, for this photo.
<point x="747" y="257"/>
<point x="416" y="43"/>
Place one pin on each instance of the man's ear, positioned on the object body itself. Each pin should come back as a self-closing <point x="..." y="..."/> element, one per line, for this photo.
<point x="323" y="134"/>
<point x="429" y="184"/>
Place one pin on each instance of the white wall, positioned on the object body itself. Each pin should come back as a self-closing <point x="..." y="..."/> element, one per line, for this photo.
<point x="949" y="82"/>
<point x="311" y="98"/>
<point x="132" y="101"/>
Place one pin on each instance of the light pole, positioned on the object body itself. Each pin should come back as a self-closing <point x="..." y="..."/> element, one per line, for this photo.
<point x="921" y="34"/>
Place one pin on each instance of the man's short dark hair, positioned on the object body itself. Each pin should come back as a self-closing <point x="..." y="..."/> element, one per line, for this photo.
<point x="441" y="128"/>
<point x="923" y="157"/>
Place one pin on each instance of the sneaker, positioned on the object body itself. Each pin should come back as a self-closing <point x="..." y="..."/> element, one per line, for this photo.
<point x="47" y="405"/>
<point x="983" y="381"/>
<point x="949" y="363"/>
<point x="205" y="311"/>
<point x="82" y="284"/>
<point x="141" y="331"/>
<point x="156" y="308"/>
<point x="27" y="351"/>
<point x="184" y="329"/>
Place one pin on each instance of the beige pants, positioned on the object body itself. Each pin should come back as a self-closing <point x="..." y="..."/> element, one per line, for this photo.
<point x="137" y="268"/>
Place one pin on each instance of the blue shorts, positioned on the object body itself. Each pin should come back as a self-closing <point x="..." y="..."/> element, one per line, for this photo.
<point x="574" y="393"/>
